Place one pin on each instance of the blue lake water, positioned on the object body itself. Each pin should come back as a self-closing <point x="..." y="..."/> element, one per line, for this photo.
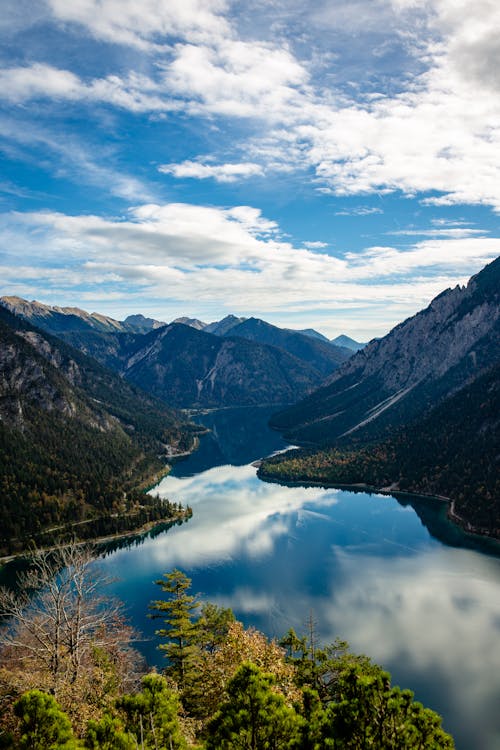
<point x="396" y="579"/>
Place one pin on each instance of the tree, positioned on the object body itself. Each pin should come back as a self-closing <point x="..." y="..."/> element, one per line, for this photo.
<point x="43" y="724"/>
<point x="63" y="635"/>
<point x="216" y="668"/>
<point x="370" y="713"/>
<point x="180" y="630"/>
<point x="152" y="716"/>
<point x="254" y="717"/>
<point x="213" y="626"/>
<point x="108" y="734"/>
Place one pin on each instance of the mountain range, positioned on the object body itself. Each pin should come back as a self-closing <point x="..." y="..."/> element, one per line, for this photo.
<point x="241" y="362"/>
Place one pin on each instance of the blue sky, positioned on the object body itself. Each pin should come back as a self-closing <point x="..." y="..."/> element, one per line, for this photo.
<point x="331" y="164"/>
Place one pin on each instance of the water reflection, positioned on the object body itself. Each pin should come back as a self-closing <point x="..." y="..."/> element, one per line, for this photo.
<point x="366" y="566"/>
<point x="371" y="570"/>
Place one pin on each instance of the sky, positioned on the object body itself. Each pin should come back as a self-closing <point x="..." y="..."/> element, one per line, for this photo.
<point x="331" y="164"/>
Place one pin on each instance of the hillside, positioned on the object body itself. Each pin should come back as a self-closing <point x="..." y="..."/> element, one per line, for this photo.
<point x="321" y="355"/>
<point x="401" y="376"/>
<point x="453" y="452"/>
<point x="76" y="441"/>
<point x="187" y="367"/>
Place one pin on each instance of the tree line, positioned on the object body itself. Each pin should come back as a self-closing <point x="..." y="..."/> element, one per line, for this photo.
<point x="70" y="677"/>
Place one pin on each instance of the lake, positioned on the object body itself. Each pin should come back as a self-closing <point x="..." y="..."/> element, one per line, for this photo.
<point x="393" y="577"/>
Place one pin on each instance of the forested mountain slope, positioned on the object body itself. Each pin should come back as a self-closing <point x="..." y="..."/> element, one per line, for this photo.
<point x="401" y="376"/>
<point x="75" y="439"/>
<point x="453" y="452"/>
<point x="322" y="355"/>
<point x="187" y="367"/>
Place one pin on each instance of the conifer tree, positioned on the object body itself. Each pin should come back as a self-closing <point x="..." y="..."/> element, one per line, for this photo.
<point x="180" y="627"/>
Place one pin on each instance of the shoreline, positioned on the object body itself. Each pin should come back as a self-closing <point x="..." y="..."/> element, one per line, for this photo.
<point x="451" y="514"/>
<point x="138" y="531"/>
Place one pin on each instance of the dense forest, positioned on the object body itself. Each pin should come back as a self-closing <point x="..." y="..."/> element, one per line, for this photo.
<point x="78" y="445"/>
<point x="453" y="452"/>
<point x="70" y="677"/>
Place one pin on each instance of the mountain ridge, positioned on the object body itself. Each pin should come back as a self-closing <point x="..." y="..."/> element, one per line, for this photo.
<point x="420" y="362"/>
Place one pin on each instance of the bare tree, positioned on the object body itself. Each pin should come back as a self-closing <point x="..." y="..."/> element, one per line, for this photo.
<point x="59" y="617"/>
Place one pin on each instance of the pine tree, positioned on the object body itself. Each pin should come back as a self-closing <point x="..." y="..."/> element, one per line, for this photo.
<point x="254" y="717"/>
<point x="180" y="630"/>
<point x="43" y="724"/>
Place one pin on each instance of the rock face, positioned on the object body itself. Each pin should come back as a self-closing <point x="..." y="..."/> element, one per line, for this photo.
<point x="419" y="363"/>
<point x="37" y="371"/>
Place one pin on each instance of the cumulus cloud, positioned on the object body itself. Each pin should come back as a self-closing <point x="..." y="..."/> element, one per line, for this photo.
<point x="435" y="131"/>
<point x="232" y="258"/>
<point x="146" y="24"/>
<point x="218" y="172"/>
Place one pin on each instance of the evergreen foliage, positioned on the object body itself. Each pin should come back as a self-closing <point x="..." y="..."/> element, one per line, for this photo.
<point x="244" y="693"/>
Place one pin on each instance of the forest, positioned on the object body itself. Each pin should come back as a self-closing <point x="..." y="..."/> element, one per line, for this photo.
<point x="434" y="456"/>
<point x="71" y="678"/>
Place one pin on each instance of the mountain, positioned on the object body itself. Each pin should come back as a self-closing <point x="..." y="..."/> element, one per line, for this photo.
<point x="193" y="322"/>
<point x="141" y="324"/>
<point x="400" y="377"/>
<point x="321" y="355"/>
<point x="222" y="327"/>
<point x="60" y="319"/>
<point x="76" y="441"/>
<point x="348" y="342"/>
<point x="453" y="452"/>
<point x="313" y="333"/>
<point x="186" y="367"/>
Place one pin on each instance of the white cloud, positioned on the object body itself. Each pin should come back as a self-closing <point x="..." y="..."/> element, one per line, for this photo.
<point x="359" y="211"/>
<point x="436" y="131"/>
<point x="234" y="259"/>
<point x="218" y="172"/>
<point x="315" y="245"/>
<point x="137" y="93"/>
<point x="145" y="24"/>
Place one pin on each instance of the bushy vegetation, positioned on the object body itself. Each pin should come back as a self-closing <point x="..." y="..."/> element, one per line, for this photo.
<point x="224" y="687"/>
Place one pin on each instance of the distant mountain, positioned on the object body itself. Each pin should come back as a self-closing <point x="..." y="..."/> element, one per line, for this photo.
<point x="186" y="367"/>
<point x="313" y="333"/>
<point x="60" y="319"/>
<point x="324" y="357"/>
<point x="348" y="342"/>
<point x="401" y="376"/>
<point x="222" y="327"/>
<point x="193" y="322"/>
<point x="140" y="324"/>
<point x="76" y="441"/>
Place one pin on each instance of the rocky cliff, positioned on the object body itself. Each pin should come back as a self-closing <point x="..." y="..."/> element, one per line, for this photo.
<point x="419" y="363"/>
